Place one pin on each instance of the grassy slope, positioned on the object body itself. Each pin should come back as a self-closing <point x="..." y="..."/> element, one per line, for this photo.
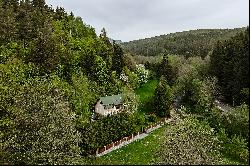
<point x="146" y="93"/>
<point x="140" y="152"/>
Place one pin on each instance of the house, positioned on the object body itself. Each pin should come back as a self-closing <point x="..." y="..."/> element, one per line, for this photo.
<point x="109" y="105"/>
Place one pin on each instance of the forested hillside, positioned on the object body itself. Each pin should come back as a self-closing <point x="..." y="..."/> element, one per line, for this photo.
<point x="188" y="43"/>
<point x="54" y="68"/>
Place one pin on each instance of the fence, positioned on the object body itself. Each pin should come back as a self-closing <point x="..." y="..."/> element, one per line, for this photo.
<point x="131" y="137"/>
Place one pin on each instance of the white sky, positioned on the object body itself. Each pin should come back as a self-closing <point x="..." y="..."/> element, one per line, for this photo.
<point x="128" y="20"/>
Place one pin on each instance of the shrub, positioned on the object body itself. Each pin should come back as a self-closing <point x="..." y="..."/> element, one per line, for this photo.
<point x="235" y="147"/>
<point x="108" y="129"/>
<point x="189" y="142"/>
<point x="235" y="122"/>
<point x="215" y="119"/>
<point x="152" y="118"/>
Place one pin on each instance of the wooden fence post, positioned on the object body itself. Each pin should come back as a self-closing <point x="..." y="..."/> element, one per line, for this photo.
<point x="132" y="136"/>
<point x="97" y="151"/>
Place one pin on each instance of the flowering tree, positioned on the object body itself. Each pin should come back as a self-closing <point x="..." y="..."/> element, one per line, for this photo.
<point x="189" y="141"/>
<point x="124" y="77"/>
<point x="130" y="78"/>
<point x="130" y="99"/>
<point x="142" y="73"/>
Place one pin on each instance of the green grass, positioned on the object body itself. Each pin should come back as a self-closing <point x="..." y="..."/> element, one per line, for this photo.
<point x="146" y="93"/>
<point x="140" y="152"/>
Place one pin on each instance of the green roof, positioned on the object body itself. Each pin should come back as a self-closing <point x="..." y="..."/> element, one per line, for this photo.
<point x="109" y="100"/>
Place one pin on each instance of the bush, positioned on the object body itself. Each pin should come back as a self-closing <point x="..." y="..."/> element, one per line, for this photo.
<point x="108" y="129"/>
<point x="189" y="142"/>
<point x="235" y="147"/>
<point x="235" y="122"/>
<point x="152" y="118"/>
<point x="215" y="119"/>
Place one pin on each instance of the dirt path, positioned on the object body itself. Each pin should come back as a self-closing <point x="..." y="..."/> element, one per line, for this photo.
<point x="223" y="107"/>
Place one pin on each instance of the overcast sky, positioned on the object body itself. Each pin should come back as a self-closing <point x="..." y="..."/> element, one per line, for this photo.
<point x="128" y="20"/>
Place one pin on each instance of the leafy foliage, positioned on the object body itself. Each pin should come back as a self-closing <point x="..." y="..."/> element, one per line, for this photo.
<point x="53" y="67"/>
<point x="163" y="99"/>
<point x="192" y="87"/>
<point x="235" y="147"/>
<point x="129" y="78"/>
<point x="107" y="129"/>
<point x="39" y="125"/>
<point x="234" y="122"/>
<point x="131" y="100"/>
<point x="142" y="74"/>
<point x="189" y="142"/>
<point x="230" y="64"/>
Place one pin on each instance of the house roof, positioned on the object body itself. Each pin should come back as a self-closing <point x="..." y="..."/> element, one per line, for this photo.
<point x="110" y="100"/>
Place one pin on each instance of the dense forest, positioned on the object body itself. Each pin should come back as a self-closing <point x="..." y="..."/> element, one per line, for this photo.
<point x="54" y="68"/>
<point x="188" y="43"/>
<point x="230" y="64"/>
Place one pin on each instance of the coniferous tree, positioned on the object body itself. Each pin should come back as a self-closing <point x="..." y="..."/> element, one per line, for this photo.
<point x="24" y="19"/>
<point x="39" y="3"/>
<point x="45" y="53"/>
<point x="163" y="98"/>
<point x="230" y="64"/>
<point x="165" y="69"/>
<point x="8" y="25"/>
<point x="117" y="61"/>
<point x="107" y="49"/>
<point x="60" y="13"/>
